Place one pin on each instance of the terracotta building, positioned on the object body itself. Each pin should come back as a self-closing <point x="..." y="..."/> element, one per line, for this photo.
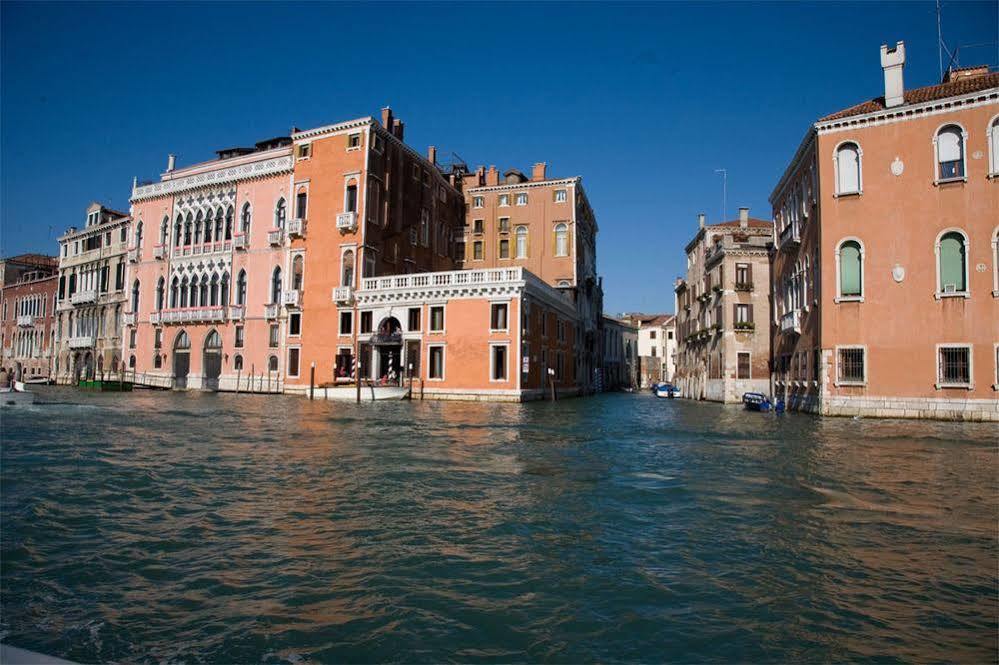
<point x="884" y="278"/>
<point x="27" y="314"/>
<point x="91" y="296"/>
<point x="545" y="225"/>
<point x="722" y="306"/>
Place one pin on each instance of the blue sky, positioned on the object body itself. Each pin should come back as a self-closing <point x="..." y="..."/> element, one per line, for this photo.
<point x="644" y="101"/>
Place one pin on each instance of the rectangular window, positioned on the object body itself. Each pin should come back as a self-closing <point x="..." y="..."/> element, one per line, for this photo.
<point x="504" y="224"/>
<point x="477" y="250"/>
<point x="365" y="322"/>
<point x="478" y="201"/>
<point x="158" y="338"/>
<point x="131" y="338"/>
<point x="504" y="200"/>
<point x="239" y="337"/>
<point x="346" y="323"/>
<point x="435" y="363"/>
<point x="954" y="365"/>
<point x="652" y="334"/>
<point x="504" y="248"/>
<point x="560" y="196"/>
<point x="351" y="203"/>
<point x="851" y="366"/>
<point x="498" y="362"/>
<point x="653" y="352"/>
<point x="353" y="141"/>
<point x="414" y="318"/>
<point x="522" y="199"/>
<point x="742" y="314"/>
<point x="305" y="151"/>
<point x="301" y="204"/>
<point x="437" y="318"/>
<point x="477" y="226"/>
<point x="498" y="316"/>
<point x="343" y="364"/>
<point x="743" y="371"/>
<point x="742" y="276"/>
<point x="293" y="354"/>
<point x="295" y="324"/>
<point x="273" y="338"/>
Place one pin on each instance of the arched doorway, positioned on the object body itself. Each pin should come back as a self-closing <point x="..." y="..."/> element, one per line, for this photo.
<point x="181" y="360"/>
<point x="88" y="366"/>
<point x="77" y="367"/>
<point x="212" y="360"/>
<point x="388" y="350"/>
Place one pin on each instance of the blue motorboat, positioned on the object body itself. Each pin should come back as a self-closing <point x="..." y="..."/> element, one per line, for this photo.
<point x="756" y="402"/>
<point x="667" y="390"/>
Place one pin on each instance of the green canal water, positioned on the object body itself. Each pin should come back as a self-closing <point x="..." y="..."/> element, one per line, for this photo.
<point x="159" y="527"/>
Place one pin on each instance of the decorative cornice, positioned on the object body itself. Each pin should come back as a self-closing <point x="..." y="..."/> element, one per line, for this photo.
<point x="910" y="111"/>
<point x="332" y="129"/>
<point x="525" y="185"/>
<point x="96" y="229"/>
<point x="253" y="170"/>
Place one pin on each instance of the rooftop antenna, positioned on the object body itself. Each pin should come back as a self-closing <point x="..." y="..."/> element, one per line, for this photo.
<point x="939" y="41"/>
<point x="724" y="173"/>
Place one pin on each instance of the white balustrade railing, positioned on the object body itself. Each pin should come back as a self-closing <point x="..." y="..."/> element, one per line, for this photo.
<point x="154" y="318"/>
<point x="81" y="342"/>
<point x="82" y="297"/>
<point x="128" y="318"/>
<point x="791" y="321"/>
<point x="296" y="227"/>
<point x="159" y="251"/>
<point x="240" y="241"/>
<point x="450" y="278"/>
<point x="275" y="236"/>
<point x="194" y="314"/>
<point x="25" y="320"/>
<point x="343" y="294"/>
<point x="133" y="254"/>
<point x="346" y="221"/>
<point x="271" y="311"/>
<point x="237" y="312"/>
<point x="291" y="298"/>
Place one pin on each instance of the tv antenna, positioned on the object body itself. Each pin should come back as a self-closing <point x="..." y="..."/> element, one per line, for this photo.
<point x="724" y="173"/>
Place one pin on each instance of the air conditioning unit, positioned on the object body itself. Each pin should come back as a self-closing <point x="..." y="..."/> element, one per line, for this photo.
<point x="950" y="288"/>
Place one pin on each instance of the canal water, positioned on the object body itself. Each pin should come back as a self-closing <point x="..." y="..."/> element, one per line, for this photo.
<point x="170" y="527"/>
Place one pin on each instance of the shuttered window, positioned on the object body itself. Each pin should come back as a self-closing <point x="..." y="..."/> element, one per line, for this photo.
<point x="849" y="269"/>
<point x="950" y="152"/>
<point x="848" y="168"/>
<point x="952" y="263"/>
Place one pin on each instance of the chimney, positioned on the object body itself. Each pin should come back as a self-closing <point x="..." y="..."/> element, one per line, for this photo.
<point x="744" y="218"/>
<point x="397" y="128"/>
<point x="432" y="155"/>
<point x="892" y="62"/>
<point x="492" y="177"/>
<point x="700" y="220"/>
<point x="538" y="172"/>
<point x="387" y="118"/>
<point x="171" y="163"/>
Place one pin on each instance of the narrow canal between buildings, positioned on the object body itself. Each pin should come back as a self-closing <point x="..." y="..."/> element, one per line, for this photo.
<point x="154" y="526"/>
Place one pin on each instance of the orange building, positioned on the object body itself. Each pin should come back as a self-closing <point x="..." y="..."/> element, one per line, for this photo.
<point x="884" y="278"/>
<point x="28" y="285"/>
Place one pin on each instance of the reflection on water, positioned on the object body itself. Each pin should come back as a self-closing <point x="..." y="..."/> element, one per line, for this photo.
<point x="224" y="528"/>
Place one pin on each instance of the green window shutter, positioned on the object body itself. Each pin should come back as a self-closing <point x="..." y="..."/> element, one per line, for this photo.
<point x="849" y="269"/>
<point x="952" y="258"/>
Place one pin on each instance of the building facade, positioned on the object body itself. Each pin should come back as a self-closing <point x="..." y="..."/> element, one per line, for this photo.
<point x="885" y="278"/>
<point x="27" y="314"/>
<point x="620" y="354"/>
<point x="91" y="296"/>
<point x="722" y="353"/>
<point x="211" y="272"/>
<point x="656" y="347"/>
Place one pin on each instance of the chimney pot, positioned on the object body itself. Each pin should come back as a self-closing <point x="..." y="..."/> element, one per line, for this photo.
<point x="171" y="162"/>
<point x="700" y="220"/>
<point x="892" y="63"/>
<point x="398" y="128"/>
<point x="432" y="155"/>
<point x="744" y="217"/>
<point x="387" y="118"/>
<point x="539" y="171"/>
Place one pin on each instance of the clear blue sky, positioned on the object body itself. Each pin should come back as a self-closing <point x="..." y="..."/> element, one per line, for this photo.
<point x="643" y="101"/>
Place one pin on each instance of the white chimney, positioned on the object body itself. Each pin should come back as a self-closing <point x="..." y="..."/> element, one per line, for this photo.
<point x="744" y="218"/>
<point x="700" y="220"/>
<point x="171" y="162"/>
<point x="892" y="62"/>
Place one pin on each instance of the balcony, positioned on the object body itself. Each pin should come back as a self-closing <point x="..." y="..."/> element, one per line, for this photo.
<point x="159" y="251"/>
<point x="275" y="236"/>
<point x="744" y="286"/>
<point x="25" y="320"/>
<point x="133" y="254"/>
<point x="240" y="241"/>
<point x="271" y="311"/>
<point x="155" y="318"/>
<point x="343" y="295"/>
<point x="291" y="298"/>
<point x="790" y="322"/>
<point x="83" y="297"/>
<point x="745" y="326"/>
<point x="296" y="228"/>
<point x="237" y="312"/>
<point x="194" y="314"/>
<point x="128" y="318"/>
<point x="790" y="237"/>
<point x="82" y="342"/>
<point x="346" y="221"/>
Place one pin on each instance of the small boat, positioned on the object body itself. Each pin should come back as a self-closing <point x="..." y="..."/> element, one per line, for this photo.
<point x="756" y="402"/>
<point x="16" y="395"/>
<point x="667" y="391"/>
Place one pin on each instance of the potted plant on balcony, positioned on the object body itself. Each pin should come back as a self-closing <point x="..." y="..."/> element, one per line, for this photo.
<point x="745" y="326"/>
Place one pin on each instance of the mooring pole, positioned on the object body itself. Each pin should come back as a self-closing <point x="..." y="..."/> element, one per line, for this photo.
<point x="312" y="382"/>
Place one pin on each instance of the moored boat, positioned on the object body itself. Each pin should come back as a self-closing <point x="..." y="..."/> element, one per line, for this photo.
<point x="756" y="402"/>
<point x="16" y="395"/>
<point x="667" y="391"/>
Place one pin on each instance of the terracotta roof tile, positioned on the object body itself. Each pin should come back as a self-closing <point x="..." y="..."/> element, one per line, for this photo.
<point x="754" y="223"/>
<point x="960" y="86"/>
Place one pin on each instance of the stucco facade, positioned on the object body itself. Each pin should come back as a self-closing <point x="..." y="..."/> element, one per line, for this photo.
<point x="885" y="275"/>
<point x="28" y="315"/>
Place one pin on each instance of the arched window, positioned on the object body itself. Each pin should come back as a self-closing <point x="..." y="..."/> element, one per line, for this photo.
<point x="182" y="341"/>
<point x="220" y="223"/>
<point x="174" y="285"/>
<point x="561" y="240"/>
<point x="197" y="229"/>
<point x="164" y="230"/>
<point x="209" y="227"/>
<point x="276" y="286"/>
<point x="280" y="213"/>
<point x="203" y="293"/>
<point x="176" y="231"/>
<point x="224" y="295"/>
<point x="183" y="292"/>
<point x="131" y="362"/>
<point x="213" y="294"/>
<point x="237" y="362"/>
<point x="297" y="270"/>
<point x="347" y="268"/>
<point x="193" y="292"/>
<point x="228" y="223"/>
<point x="244" y="219"/>
<point x="159" y="294"/>
<point x="521" y="242"/>
<point x="952" y="262"/>
<point x="188" y="227"/>
<point x="213" y="340"/>
<point x="993" y="134"/>
<point x="848" y="169"/>
<point x="850" y="259"/>
<point x="241" y="288"/>
<point x="135" y="296"/>
<point x="138" y="234"/>
<point x="272" y="364"/>
<point x="950" y="153"/>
